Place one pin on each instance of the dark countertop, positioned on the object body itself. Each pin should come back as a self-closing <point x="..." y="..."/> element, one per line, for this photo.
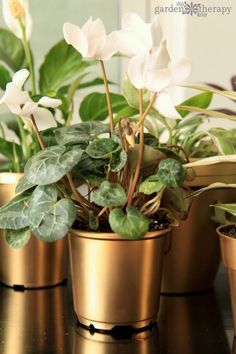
<point x="43" y="321"/>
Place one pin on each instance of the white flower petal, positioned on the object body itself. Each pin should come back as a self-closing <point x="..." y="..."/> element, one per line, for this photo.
<point x="156" y="32"/>
<point x="49" y="102"/>
<point x="96" y="36"/>
<point x="44" y="119"/>
<point x="28" y="109"/>
<point x="180" y="71"/>
<point x="13" y="23"/>
<point x="20" y="77"/>
<point x="159" y="57"/>
<point x="8" y="134"/>
<point x="136" y="71"/>
<point x="14" y="98"/>
<point x="132" y="22"/>
<point x="108" y="49"/>
<point x="130" y="43"/>
<point x="165" y="106"/>
<point x="75" y="36"/>
<point x="157" y="80"/>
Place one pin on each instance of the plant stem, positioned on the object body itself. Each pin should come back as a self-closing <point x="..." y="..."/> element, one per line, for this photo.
<point x="37" y="132"/>
<point x="29" y="57"/>
<point x="140" y="156"/>
<point x="108" y="96"/>
<point x="144" y="115"/>
<point x="23" y="137"/>
<point x="175" y="146"/>
<point x="15" y="160"/>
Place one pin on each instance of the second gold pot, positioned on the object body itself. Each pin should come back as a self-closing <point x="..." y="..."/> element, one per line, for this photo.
<point x="193" y="261"/>
<point x="228" y="252"/>
<point x="116" y="282"/>
<point x="37" y="264"/>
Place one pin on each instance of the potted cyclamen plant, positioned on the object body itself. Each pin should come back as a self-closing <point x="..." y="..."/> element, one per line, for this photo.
<point x="61" y="74"/>
<point x="117" y="228"/>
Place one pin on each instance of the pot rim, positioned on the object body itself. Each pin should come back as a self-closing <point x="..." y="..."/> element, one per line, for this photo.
<point x="218" y="230"/>
<point x="10" y="177"/>
<point x="115" y="237"/>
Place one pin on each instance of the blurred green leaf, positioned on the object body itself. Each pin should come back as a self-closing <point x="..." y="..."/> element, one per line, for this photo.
<point x="11" y="50"/>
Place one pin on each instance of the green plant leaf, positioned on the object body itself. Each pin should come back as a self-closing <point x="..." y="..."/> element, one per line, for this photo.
<point x="131" y="94"/>
<point x="227" y="208"/>
<point x="133" y="225"/>
<point x="17" y="238"/>
<point x="179" y="201"/>
<point x="94" y="106"/>
<point x="49" y="218"/>
<point x="151" y="185"/>
<point x="93" y="221"/>
<point x="118" y="161"/>
<point x="80" y="133"/>
<point x="14" y="215"/>
<point x="203" y="100"/>
<point x="24" y="185"/>
<point x="11" y="50"/>
<point x="5" y="77"/>
<point x="60" y="64"/>
<point x="126" y="112"/>
<point x="95" y="82"/>
<point x="109" y="195"/>
<point x="102" y="148"/>
<point x="50" y="165"/>
<point x="206" y="112"/>
<point x="228" y="94"/>
<point x="224" y="142"/>
<point x="7" y="148"/>
<point x="171" y="173"/>
<point x="212" y="186"/>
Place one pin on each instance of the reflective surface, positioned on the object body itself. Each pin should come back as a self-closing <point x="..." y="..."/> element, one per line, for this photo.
<point x="43" y="321"/>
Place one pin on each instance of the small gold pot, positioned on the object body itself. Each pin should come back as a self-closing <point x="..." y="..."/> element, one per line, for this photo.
<point x="228" y="252"/>
<point x="146" y="342"/>
<point x="116" y="282"/>
<point x="190" y="267"/>
<point x="37" y="264"/>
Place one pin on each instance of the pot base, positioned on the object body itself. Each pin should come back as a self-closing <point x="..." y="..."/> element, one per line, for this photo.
<point x="101" y="326"/>
<point x="19" y="287"/>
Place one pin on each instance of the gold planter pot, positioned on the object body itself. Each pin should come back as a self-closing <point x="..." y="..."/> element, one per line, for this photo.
<point x="228" y="252"/>
<point x="146" y="342"/>
<point x="190" y="267"/>
<point x="37" y="264"/>
<point x="116" y="282"/>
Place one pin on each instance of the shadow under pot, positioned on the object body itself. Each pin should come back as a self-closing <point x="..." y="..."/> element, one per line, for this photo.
<point x="37" y="264"/>
<point x="145" y="342"/>
<point x="116" y="282"/>
<point x="227" y="235"/>
<point x="189" y="267"/>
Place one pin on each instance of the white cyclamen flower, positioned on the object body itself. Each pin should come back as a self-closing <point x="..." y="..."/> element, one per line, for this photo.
<point x="20" y="103"/>
<point x="91" y="41"/>
<point x="137" y="37"/>
<point x="155" y="71"/>
<point x="15" y="13"/>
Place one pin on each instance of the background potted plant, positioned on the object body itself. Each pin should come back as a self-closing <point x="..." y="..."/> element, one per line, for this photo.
<point x="195" y="273"/>
<point x="118" y="231"/>
<point x="62" y="73"/>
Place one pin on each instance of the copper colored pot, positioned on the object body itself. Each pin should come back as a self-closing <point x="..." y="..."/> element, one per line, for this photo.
<point x="37" y="264"/>
<point x="116" y="282"/>
<point x="228" y="252"/>
<point x="146" y="342"/>
<point x="190" y="267"/>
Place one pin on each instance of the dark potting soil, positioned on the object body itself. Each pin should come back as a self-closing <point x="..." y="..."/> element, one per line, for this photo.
<point x="229" y="230"/>
<point x="159" y="222"/>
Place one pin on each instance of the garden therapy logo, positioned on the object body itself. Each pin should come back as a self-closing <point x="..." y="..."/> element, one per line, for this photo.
<point x="193" y="9"/>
